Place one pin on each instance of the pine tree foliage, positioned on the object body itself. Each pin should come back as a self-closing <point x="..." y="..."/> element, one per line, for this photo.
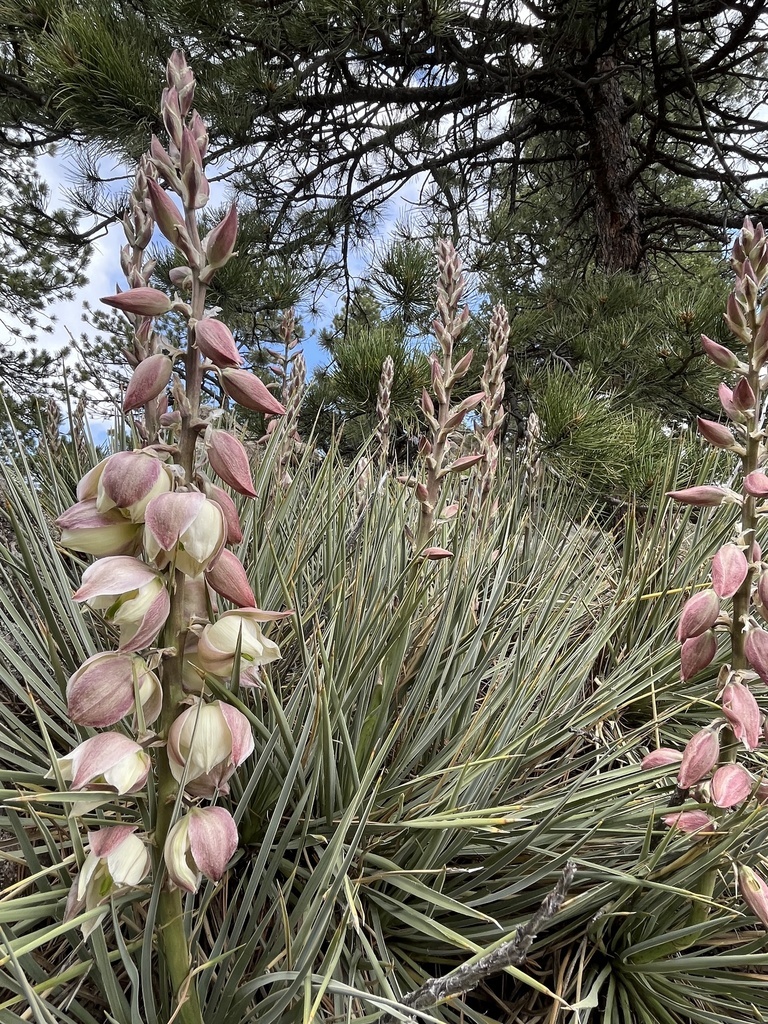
<point x="643" y="118"/>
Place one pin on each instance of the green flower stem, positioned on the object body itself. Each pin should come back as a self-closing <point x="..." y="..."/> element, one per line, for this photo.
<point x="173" y="941"/>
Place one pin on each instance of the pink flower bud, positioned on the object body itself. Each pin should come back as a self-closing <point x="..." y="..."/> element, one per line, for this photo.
<point x="731" y="409"/>
<point x="744" y="397"/>
<point x="130" y="595"/>
<point x="103" y="689"/>
<point x="756" y="650"/>
<point x="754" y="892"/>
<point x="691" y="822"/>
<point x="181" y="277"/>
<point x="219" y="245"/>
<point x="171" y="113"/>
<point x="756" y="484"/>
<point x="699" y="614"/>
<point x="729" y="570"/>
<point x="742" y="712"/>
<point x="731" y="785"/>
<point x="716" y="433"/>
<point x="427" y="405"/>
<point x="247" y="390"/>
<point x="200" y="133"/>
<point x="663" y="757"/>
<point x="229" y="510"/>
<point x="183" y="528"/>
<point x="140" y="302"/>
<point x="206" y="744"/>
<point x="227" y="577"/>
<point x="117" y="859"/>
<point x="150" y="378"/>
<point x="229" y="459"/>
<point x="218" y="644"/>
<point x="703" y="496"/>
<point x="168" y="216"/>
<point x="200" y="843"/>
<point x="128" y="481"/>
<point x="696" y="653"/>
<point x="214" y="339"/>
<point x="719" y="354"/>
<point x="699" y="757"/>
<point x="736" y="320"/>
<point x="107" y="762"/>
<point x="84" y="528"/>
<point x="762" y="588"/>
<point x="464" y="462"/>
<point x="437" y="554"/>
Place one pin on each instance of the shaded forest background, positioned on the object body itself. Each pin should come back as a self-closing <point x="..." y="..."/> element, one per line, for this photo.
<point x="590" y="160"/>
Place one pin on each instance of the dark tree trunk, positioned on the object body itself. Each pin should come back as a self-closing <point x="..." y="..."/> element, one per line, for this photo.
<point x="609" y="155"/>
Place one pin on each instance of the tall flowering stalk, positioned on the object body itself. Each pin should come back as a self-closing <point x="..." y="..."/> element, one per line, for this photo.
<point x="708" y="769"/>
<point x="441" y="415"/>
<point x="160" y="524"/>
<point x="492" y="382"/>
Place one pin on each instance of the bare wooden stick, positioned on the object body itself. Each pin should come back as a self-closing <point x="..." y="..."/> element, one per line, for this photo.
<point x="509" y="954"/>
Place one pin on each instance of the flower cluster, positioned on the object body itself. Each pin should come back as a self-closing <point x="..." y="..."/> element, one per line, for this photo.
<point x="737" y="600"/>
<point x="441" y="415"/>
<point x="159" y="523"/>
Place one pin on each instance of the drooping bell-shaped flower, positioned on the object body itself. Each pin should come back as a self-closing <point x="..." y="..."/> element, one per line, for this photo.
<point x="754" y="892"/>
<point x="206" y="744"/>
<point x="117" y="859"/>
<point x="229" y="459"/>
<point x="219" y="642"/>
<point x="84" y="528"/>
<point x="184" y="528"/>
<point x="756" y="650"/>
<point x="131" y="595"/>
<point x="696" y="653"/>
<point x="150" y="379"/>
<point x="699" y="757"/>
<point x="731" y="785"/>
<point x="109" y="761"/>
<point x="200" y="843"/>
<point x="127" y="481"/>
<point x="104" y="690"/>
<point x="729" y="570"/>
<point x="743" y="714"/>
<point x="699" y="614"/>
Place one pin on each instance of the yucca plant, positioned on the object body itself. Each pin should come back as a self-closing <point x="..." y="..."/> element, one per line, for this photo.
<point x="445" y="745"/>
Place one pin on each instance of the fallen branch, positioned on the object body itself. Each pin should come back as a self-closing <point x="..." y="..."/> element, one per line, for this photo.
<point x="509" y="954"/>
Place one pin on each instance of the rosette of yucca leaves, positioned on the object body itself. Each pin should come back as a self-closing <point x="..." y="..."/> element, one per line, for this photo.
<point x="437" y="744"/>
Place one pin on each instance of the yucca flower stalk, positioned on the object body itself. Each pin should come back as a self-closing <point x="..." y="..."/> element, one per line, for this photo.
<point x="492" y="382"/>
<point x="161" y="526"/>
<point x="441" y="415"/>
<point x="384" y="405"/>
<point x="736" y="603"/>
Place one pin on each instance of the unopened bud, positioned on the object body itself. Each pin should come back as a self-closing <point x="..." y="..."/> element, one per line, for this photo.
<point x="729" y="570"/>
<point x="140" y="302"/>
<point x="150" y="378"/>
<point x="699" y="757"/>
<point x="697" y="653"/>
<point x="699" y="614"/>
